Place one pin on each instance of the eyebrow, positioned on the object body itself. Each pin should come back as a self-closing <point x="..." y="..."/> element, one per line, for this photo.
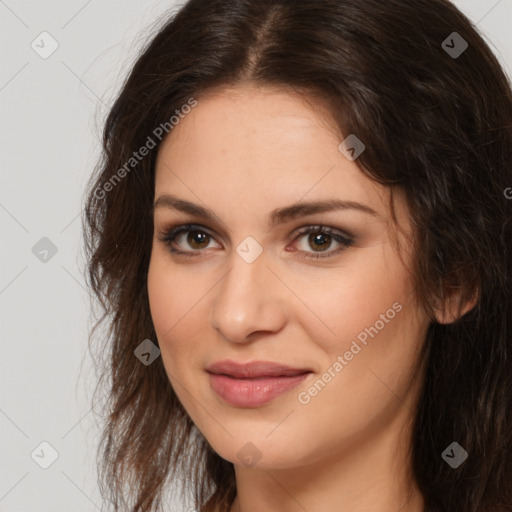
<point x="277" y="216"/>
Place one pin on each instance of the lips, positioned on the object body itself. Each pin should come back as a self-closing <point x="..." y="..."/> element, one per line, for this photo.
<point x="254" y="370"/>
<point x="253" y="384"/>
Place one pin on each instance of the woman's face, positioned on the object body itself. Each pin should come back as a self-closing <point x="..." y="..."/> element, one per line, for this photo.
<point x="248" y="286"/>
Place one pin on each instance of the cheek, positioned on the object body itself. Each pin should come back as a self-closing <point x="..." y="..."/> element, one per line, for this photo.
<point x="179" y="304"/>
<point x="161" y="303"/>
<point x="165" y="313"/>
<point x="379" y="331"/>
<point x="346" y="300"/>
<point x="172" y="293"/>
<point x="169" y="310"/>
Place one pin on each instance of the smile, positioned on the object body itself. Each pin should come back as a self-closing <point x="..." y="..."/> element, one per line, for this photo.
<point x="253" y="392"/>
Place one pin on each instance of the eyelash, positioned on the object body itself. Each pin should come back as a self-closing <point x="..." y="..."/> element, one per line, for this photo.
<point x="169" y="235"/>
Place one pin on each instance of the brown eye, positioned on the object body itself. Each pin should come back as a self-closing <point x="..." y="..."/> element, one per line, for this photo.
<point x="196" y="239"/>
<point x="320" y="239"/>
<point x="187" y="239"/>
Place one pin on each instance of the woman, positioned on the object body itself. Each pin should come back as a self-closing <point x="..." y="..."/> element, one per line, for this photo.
<point x="301" y="232"/>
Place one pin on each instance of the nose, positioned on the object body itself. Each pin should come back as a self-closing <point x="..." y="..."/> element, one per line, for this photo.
<point x="250" y="299"/>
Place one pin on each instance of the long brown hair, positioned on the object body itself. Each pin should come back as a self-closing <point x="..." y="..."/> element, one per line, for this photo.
<point x="418" y="84"/>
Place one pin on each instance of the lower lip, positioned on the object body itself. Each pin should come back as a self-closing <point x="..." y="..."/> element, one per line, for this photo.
<point x="253" y="392"/>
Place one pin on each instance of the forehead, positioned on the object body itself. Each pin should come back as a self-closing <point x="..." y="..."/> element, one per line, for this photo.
<point x="257" y="147"/>
<point x="239" y="117"/>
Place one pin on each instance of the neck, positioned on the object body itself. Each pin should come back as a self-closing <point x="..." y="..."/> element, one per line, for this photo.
<point x="366" y="475"/>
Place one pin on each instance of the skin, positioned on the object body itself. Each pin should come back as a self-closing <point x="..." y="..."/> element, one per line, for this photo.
<point x="243" y="152"/>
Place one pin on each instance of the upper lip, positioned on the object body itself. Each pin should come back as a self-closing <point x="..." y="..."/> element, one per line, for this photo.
<point x="254" y="369"/>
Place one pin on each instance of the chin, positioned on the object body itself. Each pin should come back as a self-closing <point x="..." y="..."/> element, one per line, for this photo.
<point x="252" y="450"/>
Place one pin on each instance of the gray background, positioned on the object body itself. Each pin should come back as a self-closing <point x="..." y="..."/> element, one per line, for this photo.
<point x="51" y="114"/>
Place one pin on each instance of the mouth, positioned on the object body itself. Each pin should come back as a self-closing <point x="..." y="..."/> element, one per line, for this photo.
<point x="253" y="384"/>
<point x="254" y="370"/>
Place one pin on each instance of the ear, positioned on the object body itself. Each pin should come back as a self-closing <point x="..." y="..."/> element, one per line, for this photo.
<point x="455" y="306"/>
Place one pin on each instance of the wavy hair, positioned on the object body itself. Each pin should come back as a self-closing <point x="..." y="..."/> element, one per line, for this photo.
<point x="437" y="126"/>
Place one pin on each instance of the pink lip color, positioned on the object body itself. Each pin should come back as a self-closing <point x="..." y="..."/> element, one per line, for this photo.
<point x="253" y="392"/>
